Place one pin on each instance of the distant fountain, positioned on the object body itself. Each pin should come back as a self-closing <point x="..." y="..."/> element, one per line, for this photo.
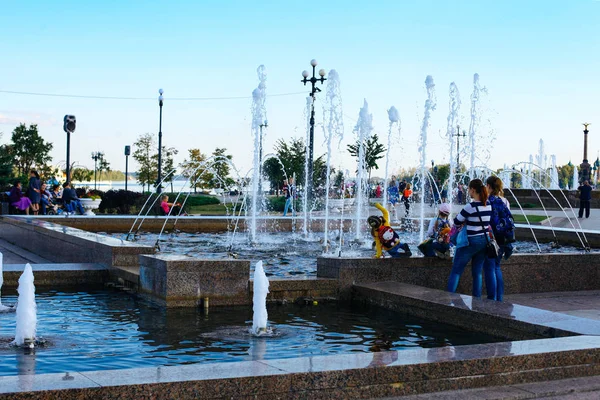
<point x="259" y="114"/>
<point x="474" y="125"/>
<point x="505" y="176"/>
<point x="575" y="178"/>
<point x="261" y="288"/>
<point x="364" y="127"/>
<point x="430" y="104"/>
<point x="26" y="310"/>
<point x="334" y="123"/>
<point x="542" y="160"/>
<point x="451" y="133"/>
<point x="394" y="117"/>
<point x="554" y="174"/>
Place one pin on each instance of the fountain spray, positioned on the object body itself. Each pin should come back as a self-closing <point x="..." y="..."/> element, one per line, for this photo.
<point x="575" y="178"/>
<point x="451" y="132"/>
<point x="475" y="120"/>
<point x="394" y="117"/>
<point x="554" y="174"/>
<point x="26" y="310"/>
<point x="261" y="288"/>
<point x="305" y="200"/>
<point x="259" y="115"/>
<point x="333" y="120"/>
<point x="430" y="104"/>
<point x="363" y="129"/>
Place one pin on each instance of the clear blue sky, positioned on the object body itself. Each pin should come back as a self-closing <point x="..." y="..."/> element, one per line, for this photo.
<point x="540" y="61"/>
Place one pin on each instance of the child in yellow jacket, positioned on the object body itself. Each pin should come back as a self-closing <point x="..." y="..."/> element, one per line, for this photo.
<point x="385" y="237"/>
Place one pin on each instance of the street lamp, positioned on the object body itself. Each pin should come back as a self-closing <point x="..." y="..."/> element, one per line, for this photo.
<point x="314" y="89"/>
<point x="260" y="155"/>
<point x="458" y="136"/>
<point x="96" y="156"/>
<point x="127" y="153"/>
<point x="69" y="122"/>
<point x="160" y="105"/>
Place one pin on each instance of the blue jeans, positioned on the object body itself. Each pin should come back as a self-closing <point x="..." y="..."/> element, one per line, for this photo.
<point x="289" y="202"/>
<point x="474" y="252"/>
<point x="75" y="205"/>
<point x="494" y="282"/>
<point x="43" y="205"/>
<point x="394" y="251"/>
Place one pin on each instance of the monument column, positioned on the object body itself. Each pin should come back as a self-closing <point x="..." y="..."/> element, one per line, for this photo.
<point x="585" y="167"/>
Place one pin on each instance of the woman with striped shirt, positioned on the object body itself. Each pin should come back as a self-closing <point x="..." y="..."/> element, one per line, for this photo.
<point x="476" y="218"/>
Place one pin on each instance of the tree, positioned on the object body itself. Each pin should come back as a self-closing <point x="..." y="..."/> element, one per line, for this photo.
<point x="443" y="173"/>
<point x="29" y="149"/>
<point x="6" y="164"/>
<point x="144" y="155"/>
<point x="169" y="164"/>
<point x="221" y="168"/>
<point x="101" y="164"/>
<point x="192" y="169"/>
<point x="82" y="174"/>
<point x="565" y="175"/>
<point x="373" y="151"/>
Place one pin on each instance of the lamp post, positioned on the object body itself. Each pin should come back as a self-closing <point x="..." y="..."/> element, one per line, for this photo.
<point x="96" y="156"/>
<point x="127" y="153"/>
<point x="69" y="122"/>
<point x="260" y="155"/>
<point x="160" y="105"/>
<point x="458" y="136"/>
<point x="314" y="89"/>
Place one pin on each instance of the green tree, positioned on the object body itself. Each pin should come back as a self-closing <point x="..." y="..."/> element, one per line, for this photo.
<point x="144" y="155"/>
<point x="374" y="151"/>
<point x="292" y="157"/>
<point x="443" y="173"/>
<point x="192" y="169"/>
<point x="82" y="174"/>
<point x="168" y="164"/>
<point x="221" y="168"/>
<point x="565" y="175"/>
<point x="6" y="164"/>
<point x="29" y="149"/>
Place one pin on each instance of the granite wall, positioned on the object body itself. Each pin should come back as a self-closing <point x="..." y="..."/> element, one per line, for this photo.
<point x="177" y="281"/>
<point x="523" y="273"/>
<point x="63" y="244"/>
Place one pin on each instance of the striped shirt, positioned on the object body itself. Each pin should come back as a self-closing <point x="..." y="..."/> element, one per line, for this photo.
<point x="471" y="216"/>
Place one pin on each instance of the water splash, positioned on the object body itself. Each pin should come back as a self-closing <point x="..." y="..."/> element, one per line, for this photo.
<point x="430" y="105"/>
<point x="261" y="288"/>
<point x="309" y="102"/>
<point x="259" y="115"/>
<point x="475" y="121"/>
<point x="363" y="129"/>
<point x="334" y="122"/>
<point x="451" y="133"/>
<point x="575" y="177"/>
<point x="26" y="309"/>
<point x="394" y="126"/>
<point x="554" y="174"/>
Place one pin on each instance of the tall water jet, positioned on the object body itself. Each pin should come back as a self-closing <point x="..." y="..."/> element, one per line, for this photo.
<point x="430" y="104"/>
<point x="475" y="120"/>
<point x="575" y="178"/>
<point x="309" y="101"/>
<point x="26" y="310"/>
<point x="259" y="114"/>
<point x="261" y="288"/>
<point x="554" y="174"/>
<point x="451" y="133"/>
<point x="394" y="126"/>
<point x="542" y="160"/>
<point x="334" y="123"/>
<point x="363" y="129"/>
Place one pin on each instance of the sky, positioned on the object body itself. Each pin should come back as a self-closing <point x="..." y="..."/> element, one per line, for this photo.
<point x="538" y="60"/>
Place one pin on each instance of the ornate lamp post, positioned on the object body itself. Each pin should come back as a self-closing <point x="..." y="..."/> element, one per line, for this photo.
<point x="160" y="105"/>
<point x="314" y="89"/>
<point x="458" y="136"/>
<point x="97" y="155"/>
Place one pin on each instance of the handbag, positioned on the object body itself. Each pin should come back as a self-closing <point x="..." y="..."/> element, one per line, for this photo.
<point x="492" y="250"/>
<point x="459" y="237"/>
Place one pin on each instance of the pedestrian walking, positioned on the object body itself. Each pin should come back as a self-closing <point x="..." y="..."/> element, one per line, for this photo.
<point x="585" y="198"/>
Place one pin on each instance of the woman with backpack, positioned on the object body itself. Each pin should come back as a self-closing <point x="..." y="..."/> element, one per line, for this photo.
<point x="503" y="226"/>
<point x="475" y="218"/>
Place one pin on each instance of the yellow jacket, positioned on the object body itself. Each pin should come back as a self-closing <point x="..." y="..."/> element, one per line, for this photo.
<point x="386" y="222"/>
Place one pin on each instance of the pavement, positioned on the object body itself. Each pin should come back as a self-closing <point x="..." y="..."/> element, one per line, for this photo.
<point x="16" y="255"/>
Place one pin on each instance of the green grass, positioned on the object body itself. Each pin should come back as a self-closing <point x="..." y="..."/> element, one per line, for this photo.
<point x="520" y="219"/>
<point x="211" y="209"/>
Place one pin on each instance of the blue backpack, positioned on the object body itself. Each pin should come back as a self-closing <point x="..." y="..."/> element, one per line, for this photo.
<point x="502" y="221"/>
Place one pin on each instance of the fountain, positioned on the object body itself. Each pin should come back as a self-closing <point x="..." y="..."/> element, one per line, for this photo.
<point x="394" y="117"/>
<point x="452" y="131"/>
<point x="554" y="174"/>
<point x="363" y="129"/>
<point x="430" y="105"/>
<point x="333" y="121"/>
<point x="26" y="310"/>
<point x="475" y="120"/>
<point x="259" y="114"/>
<point x="308" y="110"/>
<point x="261" y="288"/>
<point x="575" y="178"/>
<point x="541" y="159"/>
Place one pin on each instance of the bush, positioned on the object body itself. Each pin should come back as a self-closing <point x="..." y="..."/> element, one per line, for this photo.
<point x="194" y="200"/>
<point x="121" y="202"/>
<point x="278" y="204"/>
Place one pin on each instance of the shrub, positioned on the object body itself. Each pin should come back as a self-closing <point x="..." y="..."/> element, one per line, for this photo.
<point x="121" y="202"/>
<point x="194" y="200"/>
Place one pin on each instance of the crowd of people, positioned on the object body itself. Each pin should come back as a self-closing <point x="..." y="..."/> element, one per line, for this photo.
<point x="38" y="200"/>
<point x="482" y="233"/>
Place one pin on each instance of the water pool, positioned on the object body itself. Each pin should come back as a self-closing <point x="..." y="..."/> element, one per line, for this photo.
<point x="102" y="329"/>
